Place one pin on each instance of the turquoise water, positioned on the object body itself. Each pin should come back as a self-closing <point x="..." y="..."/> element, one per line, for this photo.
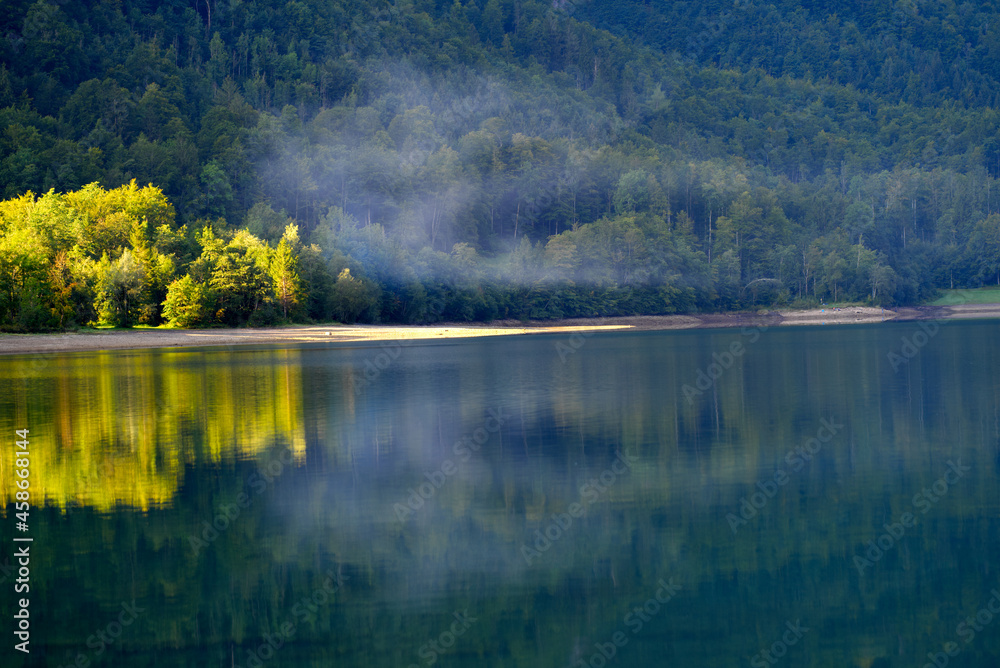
<point x="794" y="496"/>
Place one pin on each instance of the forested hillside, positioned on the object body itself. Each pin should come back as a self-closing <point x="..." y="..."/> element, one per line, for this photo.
<point x="420" y="161"/>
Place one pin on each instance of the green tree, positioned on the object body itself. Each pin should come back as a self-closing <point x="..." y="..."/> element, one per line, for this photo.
<point x="353" y="299"/>
<point x="834" y="271"/>
<point x="284" y="271"/>
<point x="119" y="290"/>
<point x="239" y="278"/>
<point x="883" y="281"/>
<point x="157" y="270"/>
<point x="188" y="303"/>
<point x="984" y="249"/>
<point x="217" y="191"/>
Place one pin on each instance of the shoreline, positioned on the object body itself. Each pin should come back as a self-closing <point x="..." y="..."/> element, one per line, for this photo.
<point x="96" y="340"/>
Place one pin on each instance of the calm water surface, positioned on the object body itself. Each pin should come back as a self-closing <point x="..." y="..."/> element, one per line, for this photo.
<point x="531" y="501"/>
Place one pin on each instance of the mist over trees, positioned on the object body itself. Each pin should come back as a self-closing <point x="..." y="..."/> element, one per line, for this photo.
<point x="258" y="162"/>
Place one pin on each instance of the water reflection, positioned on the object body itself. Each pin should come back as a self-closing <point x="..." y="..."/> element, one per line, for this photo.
<point x="115" y="430"/>
<point x="362" y="510"/>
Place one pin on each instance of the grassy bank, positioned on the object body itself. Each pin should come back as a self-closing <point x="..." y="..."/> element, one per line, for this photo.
<point x="989" y="295"/>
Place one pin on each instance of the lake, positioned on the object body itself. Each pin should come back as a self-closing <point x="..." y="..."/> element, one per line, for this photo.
<point x="822" y="496"/>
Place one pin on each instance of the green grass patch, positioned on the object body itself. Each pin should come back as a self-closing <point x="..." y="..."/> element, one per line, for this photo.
<point x="114" y="328"/>
<point x="975" y="296"/>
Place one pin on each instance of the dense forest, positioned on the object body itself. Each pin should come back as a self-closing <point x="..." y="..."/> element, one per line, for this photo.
<point x="203" y="162"/>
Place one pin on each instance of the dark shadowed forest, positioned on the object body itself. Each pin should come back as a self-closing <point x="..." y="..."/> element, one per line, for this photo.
<point x="232" y="162"/>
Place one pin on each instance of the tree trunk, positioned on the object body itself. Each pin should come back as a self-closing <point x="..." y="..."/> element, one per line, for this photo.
<point x="710" y="233"/>
<point x="434" y="213"/>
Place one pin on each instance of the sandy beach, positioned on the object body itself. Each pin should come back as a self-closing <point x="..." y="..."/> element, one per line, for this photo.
<point x="86" y="340"/>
